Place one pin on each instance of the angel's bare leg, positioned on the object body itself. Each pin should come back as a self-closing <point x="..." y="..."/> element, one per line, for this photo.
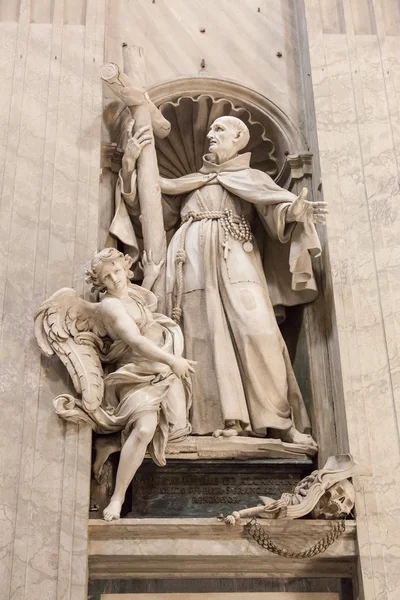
<point x="105" y="445"/>
<point x="132" y="455"/>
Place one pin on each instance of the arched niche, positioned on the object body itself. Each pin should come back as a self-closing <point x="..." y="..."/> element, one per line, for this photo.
<point x="277" y="147"/>
<point x="191" y="105"/>
<point x="194" y="103"/>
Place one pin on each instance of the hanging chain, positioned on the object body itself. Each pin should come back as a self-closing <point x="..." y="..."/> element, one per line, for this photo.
<point x="260" y="535"/>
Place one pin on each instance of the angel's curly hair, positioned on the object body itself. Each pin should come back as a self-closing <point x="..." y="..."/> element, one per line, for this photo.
<point x="93" y="275"/>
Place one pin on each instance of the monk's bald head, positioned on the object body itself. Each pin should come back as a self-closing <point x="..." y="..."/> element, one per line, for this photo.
<point x="227" y="136"/>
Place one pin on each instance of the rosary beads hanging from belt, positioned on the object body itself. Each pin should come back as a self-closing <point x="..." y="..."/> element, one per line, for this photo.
<point x="237" y="228"/>
<point x="234" y="226"/>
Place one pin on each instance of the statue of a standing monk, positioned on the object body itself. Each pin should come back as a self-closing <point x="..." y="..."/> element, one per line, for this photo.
<point x="217" y="289"/>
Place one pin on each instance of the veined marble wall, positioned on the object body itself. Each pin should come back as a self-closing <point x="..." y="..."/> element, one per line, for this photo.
<point x="50" y="117"/>
<point x="224" y="596"/>
<point x="355" y="67"/>
<point x="50" y="123"/>
<point x="237" y="40"/>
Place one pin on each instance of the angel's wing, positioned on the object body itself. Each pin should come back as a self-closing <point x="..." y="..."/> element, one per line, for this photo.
<point x="70" y="327"/>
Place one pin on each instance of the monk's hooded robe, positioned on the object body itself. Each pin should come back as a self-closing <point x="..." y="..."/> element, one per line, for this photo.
<point x="243" y="369"/>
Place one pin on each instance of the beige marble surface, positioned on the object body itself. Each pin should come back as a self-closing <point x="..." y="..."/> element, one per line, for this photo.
<point x="153" y="548"/>
<point x="195" y="447"/>
<point x="167" y="27"/>
<point x="224" y="596"/>
<point x="356" y="90"/>
<point x="50" y="115"/>
<point x="49" y="156"/>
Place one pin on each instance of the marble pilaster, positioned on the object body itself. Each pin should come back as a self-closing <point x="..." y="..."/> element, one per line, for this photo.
<point x="49" y="166"/>
<point x="357" y="120"/>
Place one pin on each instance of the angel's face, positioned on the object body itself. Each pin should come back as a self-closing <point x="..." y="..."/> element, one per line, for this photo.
<point x="113" y="276"/>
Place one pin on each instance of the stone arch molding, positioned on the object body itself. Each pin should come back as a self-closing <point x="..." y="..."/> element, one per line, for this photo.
<point x="191" y="105"/>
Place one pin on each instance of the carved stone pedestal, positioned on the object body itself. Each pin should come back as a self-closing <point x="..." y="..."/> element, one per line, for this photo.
<point x="206" y="476"/>
<point x="191" y="548"/>
<point x="223" y="596"/>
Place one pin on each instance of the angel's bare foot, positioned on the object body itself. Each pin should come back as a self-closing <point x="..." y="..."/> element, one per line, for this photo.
<point x="112" y="511"/>
<point x="231" y="429"/>
<point x="295" y="437"/>
<point x="104" y="445"/>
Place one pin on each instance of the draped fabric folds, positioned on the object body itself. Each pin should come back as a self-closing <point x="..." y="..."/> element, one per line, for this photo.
<point x="139" y="386"/>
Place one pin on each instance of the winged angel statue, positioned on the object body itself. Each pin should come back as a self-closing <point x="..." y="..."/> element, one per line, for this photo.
<point x="125" y="363"/>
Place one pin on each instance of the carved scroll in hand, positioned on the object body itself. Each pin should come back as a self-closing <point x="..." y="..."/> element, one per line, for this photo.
<point x="132" y="95"/>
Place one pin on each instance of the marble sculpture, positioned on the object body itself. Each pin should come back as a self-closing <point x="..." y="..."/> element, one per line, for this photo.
<point x="126" y="360"/>
<point x="216" y="287"/>
<point x="147" y="397"/>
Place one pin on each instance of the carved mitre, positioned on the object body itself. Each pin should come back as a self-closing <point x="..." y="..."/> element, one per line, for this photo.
<point x="191" y="105"/>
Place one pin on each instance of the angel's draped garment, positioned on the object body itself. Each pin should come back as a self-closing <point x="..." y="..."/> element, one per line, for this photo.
<point x="138" y="385"/>
<point x="243" y="369"/>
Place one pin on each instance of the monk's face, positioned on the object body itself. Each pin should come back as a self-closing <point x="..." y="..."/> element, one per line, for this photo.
<point x="224" y="139"/>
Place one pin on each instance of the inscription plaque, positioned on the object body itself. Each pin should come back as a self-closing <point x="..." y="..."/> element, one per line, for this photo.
<point x="206" y="488"/>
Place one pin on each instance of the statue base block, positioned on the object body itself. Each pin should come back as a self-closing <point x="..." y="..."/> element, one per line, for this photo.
<point x="240" y="447"/>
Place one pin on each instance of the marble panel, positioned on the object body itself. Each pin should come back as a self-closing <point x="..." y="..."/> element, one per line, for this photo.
<point x="49" y="171"/>
<point x="204" y="29"/>
<point x="42" y="11"/>
<point x="332" y="16"/>
<point x="9" y="11"/>
<point x="388" y="14"/>
<point x="75" y="12"/>
<point x="16" y="40"/>
<point x="191" y="547"/>
<point x="359" y="166"/>
<point x="22" y="261"/>
<point x="224" y="596"/>
<point x="363" y="17"/>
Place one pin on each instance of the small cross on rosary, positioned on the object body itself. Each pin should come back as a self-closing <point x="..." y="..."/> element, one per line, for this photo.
<point x="225" y="245"/>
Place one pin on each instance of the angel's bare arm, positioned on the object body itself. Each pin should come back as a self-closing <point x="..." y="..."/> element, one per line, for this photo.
<point x="120" y="325"/>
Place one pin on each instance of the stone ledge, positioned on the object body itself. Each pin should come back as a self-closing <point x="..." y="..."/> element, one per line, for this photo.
<point x="175" y="548"/>
<point x="240" y="447"/>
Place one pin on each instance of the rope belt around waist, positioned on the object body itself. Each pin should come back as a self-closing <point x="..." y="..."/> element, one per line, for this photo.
<point x="234" y="226"/>
<point x="207" y="215"/>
